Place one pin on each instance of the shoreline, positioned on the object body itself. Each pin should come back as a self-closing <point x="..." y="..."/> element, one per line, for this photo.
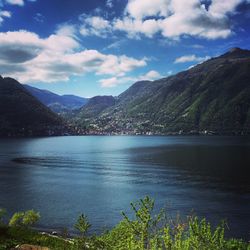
<point x="137" y="135"/>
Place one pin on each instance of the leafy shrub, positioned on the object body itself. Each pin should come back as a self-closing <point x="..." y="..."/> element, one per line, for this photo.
<point x="26" y="219"/>
<point x="30" y="218"/>
<point x="145" y="231"/>
<point x="16" y="219"/>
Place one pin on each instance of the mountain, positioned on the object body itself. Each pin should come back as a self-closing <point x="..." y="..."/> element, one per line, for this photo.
<point x="21" y="114"/>
<point x="95" y="106"/>
<point x="212" y="97"/>
<point x="57" y="103"/>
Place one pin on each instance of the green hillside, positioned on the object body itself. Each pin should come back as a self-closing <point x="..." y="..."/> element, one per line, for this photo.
<point x="212" y="97"/>
<point x="21" y="114"/>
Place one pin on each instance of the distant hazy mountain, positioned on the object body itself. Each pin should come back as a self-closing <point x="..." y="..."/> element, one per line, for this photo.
<point x="213" y="96"/>
<point x="95" y="106"/>
<point x="57" y="103"/>
<point x="22" y="114"/>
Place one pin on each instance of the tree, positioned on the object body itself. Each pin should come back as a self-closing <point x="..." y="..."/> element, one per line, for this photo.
<point x="82" y="224"/>
<point x="144" y="228"/>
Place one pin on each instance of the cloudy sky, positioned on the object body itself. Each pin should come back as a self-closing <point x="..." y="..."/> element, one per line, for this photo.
<point x="101" y="47"/>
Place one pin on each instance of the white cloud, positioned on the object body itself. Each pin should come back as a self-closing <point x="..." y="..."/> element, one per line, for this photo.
<point x="190" y="67"/>
<point x="7" y="14"/>
<point x="114" y="81"/>
<point x="151" y="75"/>
<point x="18" y="47"/>
<point x="116" y="44"/>
<point x="109" y="82"/>
<point x="4" y="14"/>
<point x="134" y="28"/>
<point x="94" y="25"/>
<point x="29" y="58"/>
<point x="190" y="58"/>
<point x="119" y="65"/>
<point x="139" y="9"/>
<point x="193" y="19"/>
<point x="39" y="18"/>
<point x="109" y="3"/>
<point x="18" y="2"/>
<point x="171" y="18"/>
<point x="197" y="46"/>
<point x="15" y="2"/>
<point x="67" y="30"/>
<point x="221" y="8"/>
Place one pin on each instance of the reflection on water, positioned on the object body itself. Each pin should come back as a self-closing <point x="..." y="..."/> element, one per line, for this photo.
<point x="65" y="176"/>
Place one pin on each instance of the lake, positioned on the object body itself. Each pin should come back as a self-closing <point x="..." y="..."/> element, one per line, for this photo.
<point x="63" y="177"/>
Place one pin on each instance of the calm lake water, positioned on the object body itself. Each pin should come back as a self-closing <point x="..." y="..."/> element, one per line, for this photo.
<point x="100" y="175"/>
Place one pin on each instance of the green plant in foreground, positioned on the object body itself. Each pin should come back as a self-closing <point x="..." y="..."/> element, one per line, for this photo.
<point x="144" y="231"/>
<point x="26" y="219"/>
<point x="30" y="218"/>
<point x="144" y="225"/>
<point x="16" y="219"/>
<point x="82" y="224"/>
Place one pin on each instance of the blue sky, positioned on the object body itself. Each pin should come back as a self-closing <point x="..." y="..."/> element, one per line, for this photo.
<point x="101" y="47"/>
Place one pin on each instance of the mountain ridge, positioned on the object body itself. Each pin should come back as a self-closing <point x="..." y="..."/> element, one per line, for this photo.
<point x="212" y="97"/>
<point x="21" y="114"/>
<point x="96" y="105"/>
<point x="57" y="103"/>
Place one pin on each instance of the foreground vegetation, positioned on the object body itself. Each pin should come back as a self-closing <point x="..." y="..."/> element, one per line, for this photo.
<point x="143" y="231"/>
